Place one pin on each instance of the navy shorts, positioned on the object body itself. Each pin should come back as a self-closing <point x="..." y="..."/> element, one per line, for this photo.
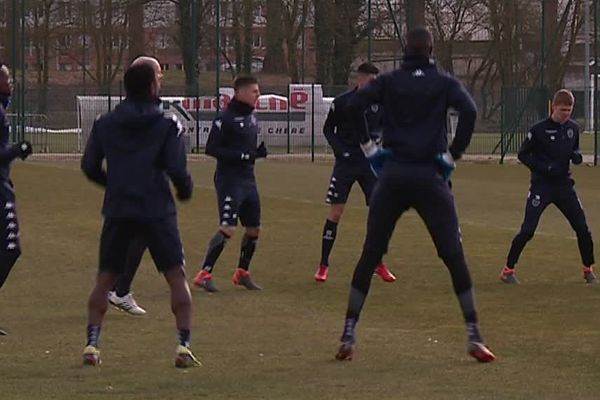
<point x="238" y="200"/>
<point x="345" y="173"/>
<point x="161" y="236"/>
<point x="9" y="225"/>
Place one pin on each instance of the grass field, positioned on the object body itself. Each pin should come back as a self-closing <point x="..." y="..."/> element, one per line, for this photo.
<point x="481" y="144"/>
<point x="279" y="343"/>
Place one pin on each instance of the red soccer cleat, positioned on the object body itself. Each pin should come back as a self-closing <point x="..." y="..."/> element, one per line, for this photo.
<point x="242" y="278"/>
<point x="322" y="273"/>
<point x="384" y="273"/>
<point x="508" y="276"/>
<point x="345" y="352"/>
<point x="204" y="280"/>
<point x="589" y="276"/>
<point x="480" y="352"/>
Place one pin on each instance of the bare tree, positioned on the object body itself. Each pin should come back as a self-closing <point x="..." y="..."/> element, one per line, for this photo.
<point x="453" y="21"/>
<point x="135" y="10"/>
<point x="248" y="35"/>
<point x="294" y="21"/>
<point x="193" y="23"/>
<point x="42" y="30"/>
<point x="350" y="29"/>
<point x="562" y="39"/>
<point x="274" y="58"/>
<point x="324" y="39"/>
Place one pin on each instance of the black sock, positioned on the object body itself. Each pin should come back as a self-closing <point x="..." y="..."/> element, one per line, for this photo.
<point x="183" y="336"/>
<point x="247" y="251"/>
<point x="215" y="247"/>
<point x="349" y="325"/>
<point x="463" y="288"/>
<point x="93" y="335"/>
<point x="329" y="232"/>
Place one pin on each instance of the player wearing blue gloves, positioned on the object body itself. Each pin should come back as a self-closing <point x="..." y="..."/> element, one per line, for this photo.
<point x="416" y="99"/>
<point x="350" y="164"/>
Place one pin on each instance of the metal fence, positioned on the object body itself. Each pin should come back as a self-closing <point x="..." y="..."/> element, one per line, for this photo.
<point x="80" y="47"/>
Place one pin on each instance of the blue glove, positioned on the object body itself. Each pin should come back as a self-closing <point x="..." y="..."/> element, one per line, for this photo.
<point x="446" y="164"/>
<point x="375" y="155"/>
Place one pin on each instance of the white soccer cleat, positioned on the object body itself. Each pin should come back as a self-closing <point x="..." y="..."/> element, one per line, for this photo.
<point x="126" y="303"/>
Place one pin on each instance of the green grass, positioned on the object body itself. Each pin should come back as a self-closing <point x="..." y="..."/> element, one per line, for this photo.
<point x="279" y="343"/>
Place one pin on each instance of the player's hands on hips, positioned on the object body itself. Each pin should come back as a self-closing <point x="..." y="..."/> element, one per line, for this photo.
<point x="446" y="164"/>
<point x="375" y="155"/>
<point x="261" y="151"/>
<point x="576" y="158"/>
<point x="23" y="149"/>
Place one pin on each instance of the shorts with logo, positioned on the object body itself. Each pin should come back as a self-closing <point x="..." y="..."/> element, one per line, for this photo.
<point x="238" y="200"/>
<point x="9" y="223"/>
<point x="345" y="173"/>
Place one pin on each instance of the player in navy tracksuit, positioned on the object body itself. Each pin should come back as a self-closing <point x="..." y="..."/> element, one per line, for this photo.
<point x="416" y="99"/>
<point x="143" y="149"/>
<point x="548" y="151"/>
<point x="232" y="141"/>
<point x="350" y="165"/>
<point x="10" y="247"/>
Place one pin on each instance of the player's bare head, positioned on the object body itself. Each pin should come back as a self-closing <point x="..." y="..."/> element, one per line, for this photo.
<point x="5" y="80"/>
<point x="365" y="73"/>
<point x="246" y="89"/>
<point x="140" y="82"/>
<point x="563" y="97"/>
<point x="155" y="64"/>
<point x="419" y="42"/>
<point x="562" y="105"/>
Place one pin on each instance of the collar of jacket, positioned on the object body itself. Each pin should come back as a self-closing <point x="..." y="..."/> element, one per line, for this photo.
<point x="241" y="107"/>
<point x="411" y="62"/>
<point x="4" y="100"/>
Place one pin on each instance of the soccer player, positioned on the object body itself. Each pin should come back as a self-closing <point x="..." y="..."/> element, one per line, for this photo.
<point x="416" y="99"/>
<point x="350" y="165"/>
<point x="232" y="141"/>
<point x="120" y="296"/>
<point x="549" y="149"/>
<point x="142" y="149"/>
<point x="10" y="247"/>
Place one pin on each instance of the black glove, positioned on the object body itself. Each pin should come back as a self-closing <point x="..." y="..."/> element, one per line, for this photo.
<point x="182" y="196"/>
<point x="261" y="151"/>
<point x="23" y="149"/>
<point x="184" y="189"/>
<point x="576" y="158"/>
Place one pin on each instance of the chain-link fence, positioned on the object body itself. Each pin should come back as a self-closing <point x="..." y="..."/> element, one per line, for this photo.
<point x="511" y="55"/>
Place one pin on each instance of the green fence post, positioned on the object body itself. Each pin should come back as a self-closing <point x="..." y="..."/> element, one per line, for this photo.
<point x="289" y="115"/>
<point x="218" y="53"/>
<point x="312" y="135"/>
<point x="596" y="51"/>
